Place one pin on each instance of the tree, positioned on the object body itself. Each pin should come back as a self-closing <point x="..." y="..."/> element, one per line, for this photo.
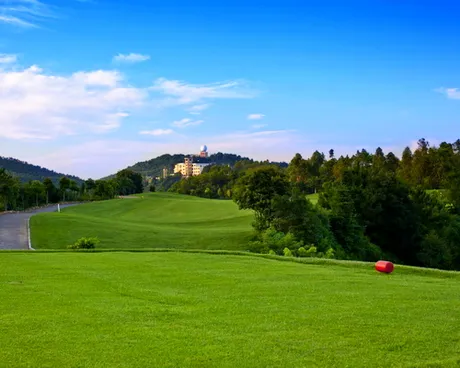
<point x="50" y="190"/>
<point x="90" y="185"/>
<point x="294" y="214"/>
<point x="421" y="169"/>
<point x="129" y="182"/>
<point x="83" y="188"/>
<point x="378" y="160"/>
<point x="391" y="162"/>
<point x="104" y="189"/>
<point x="74" y="188"/>
<point x="384" y="208"/>
<point x="37" y="189"/>
<point x="257" y="188"/>
<point x="9" y="187"/>
<point x="64" y="185"/>
<point x="338" y="200"/>
<point x="297" y="170"/>
<point x="405" y="168"/>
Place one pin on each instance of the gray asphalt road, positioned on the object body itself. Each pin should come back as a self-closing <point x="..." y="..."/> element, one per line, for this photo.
<point x="13" y="227"/>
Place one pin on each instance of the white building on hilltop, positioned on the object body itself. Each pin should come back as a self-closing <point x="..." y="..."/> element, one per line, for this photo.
<point x="190" y="168"/>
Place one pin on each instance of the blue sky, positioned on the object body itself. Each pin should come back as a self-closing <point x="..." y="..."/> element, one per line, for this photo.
<point x="88" y="87"/>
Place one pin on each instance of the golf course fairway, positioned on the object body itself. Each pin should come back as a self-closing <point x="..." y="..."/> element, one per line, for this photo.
<point x="121" y="309"/>
<point x="158" y="220"/>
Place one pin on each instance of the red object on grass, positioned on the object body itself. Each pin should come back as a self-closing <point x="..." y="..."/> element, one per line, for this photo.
<point x="384" y="266"/>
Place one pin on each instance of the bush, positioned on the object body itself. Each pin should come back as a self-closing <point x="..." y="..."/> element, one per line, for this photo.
<point x="302" y="252"/>
<point x="330" y="253"/>
<point x="276" y="241"/>
<point x="287" y="252"/>
<point x="152" y="188"/>
<point x="311" y="252"/>
<point x="85" y="243"/>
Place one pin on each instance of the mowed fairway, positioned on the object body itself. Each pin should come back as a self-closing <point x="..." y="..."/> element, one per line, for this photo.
<point x="118" y="309"/>
<point x="159" y="220"/>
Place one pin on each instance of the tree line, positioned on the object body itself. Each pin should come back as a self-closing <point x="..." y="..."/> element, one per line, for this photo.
<point x="15" y="195"/>
<point x="370" y="205"/>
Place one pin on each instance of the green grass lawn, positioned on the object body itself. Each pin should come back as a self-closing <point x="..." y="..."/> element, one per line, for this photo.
<point x="158" y="220"/>
<point x="119" y="309"/>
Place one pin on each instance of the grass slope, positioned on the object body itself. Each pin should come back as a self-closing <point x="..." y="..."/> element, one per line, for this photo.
<point x="199" y="310"/>
<point x="159" y="220"/>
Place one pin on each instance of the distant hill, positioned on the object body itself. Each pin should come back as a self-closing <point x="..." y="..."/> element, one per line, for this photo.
<point x="154" y="167"/>
<point x="26" y="172"/>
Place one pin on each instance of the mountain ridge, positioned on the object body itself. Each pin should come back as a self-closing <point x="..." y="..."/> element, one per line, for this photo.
<point x="26" y="171"/>
<point x="154" y="167"/>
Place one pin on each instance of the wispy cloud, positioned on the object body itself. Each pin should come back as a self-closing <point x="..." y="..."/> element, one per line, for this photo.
<point x="452" y="93"/>
<point x="157" y="132"/>
<point x="15" y="21"/>
<point x="186" y="123"/>
<point x="181" y="93"/>
<point x="25" y="13"/>
<point x="258" y="126"/>
<point x="38" y="105"/>
<point x="255" y="116"/>
<point x="35" y="105"/>
<point x="130" y="58"/>
<point x="197" y="109"/>
<point x="8" y="58"/>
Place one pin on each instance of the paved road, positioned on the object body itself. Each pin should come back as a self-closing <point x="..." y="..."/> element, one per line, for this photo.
<point x="13" y="227"/>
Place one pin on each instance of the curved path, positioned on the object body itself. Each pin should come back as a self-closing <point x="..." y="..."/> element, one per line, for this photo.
<point x="13" y="227"/>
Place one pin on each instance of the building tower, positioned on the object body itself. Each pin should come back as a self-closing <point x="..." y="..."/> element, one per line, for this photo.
<point x="204" y="151"/>
<point x="188" y="167"/>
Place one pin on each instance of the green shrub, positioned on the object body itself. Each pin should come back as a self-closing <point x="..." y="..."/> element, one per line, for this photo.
<point x="85" y="243"/>
<point x="272" y="252"/>
<point x="311" y="252"/>
<point x="287" y="252"/>
<point x="302" y="252"/>
<point x="330" y="253"/>
<point x="276" y="241"/>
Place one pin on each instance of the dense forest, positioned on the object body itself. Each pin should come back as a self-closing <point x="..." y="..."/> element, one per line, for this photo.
<point x="371" y="205"/>
<point x="26" y="172"/>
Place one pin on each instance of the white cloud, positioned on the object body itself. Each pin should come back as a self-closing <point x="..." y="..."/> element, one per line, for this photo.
<point x="186" y="122"/>
<point x="258" y="126"/>
<point x="157" y="132"/>
<point x="131" y="58"/>
<point x="452" y="93"/>
<point x="103" y="78"/>
<point x="8" y="58"/>
<point x="35" y="105"/>
<point x="181" y="93"/>
<point x="255" y="116"/>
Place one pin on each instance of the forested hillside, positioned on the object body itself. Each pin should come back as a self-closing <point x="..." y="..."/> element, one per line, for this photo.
<point x="154" y="167"/>
<point x="371" y="205"/>
<point x="26" y="172"/>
